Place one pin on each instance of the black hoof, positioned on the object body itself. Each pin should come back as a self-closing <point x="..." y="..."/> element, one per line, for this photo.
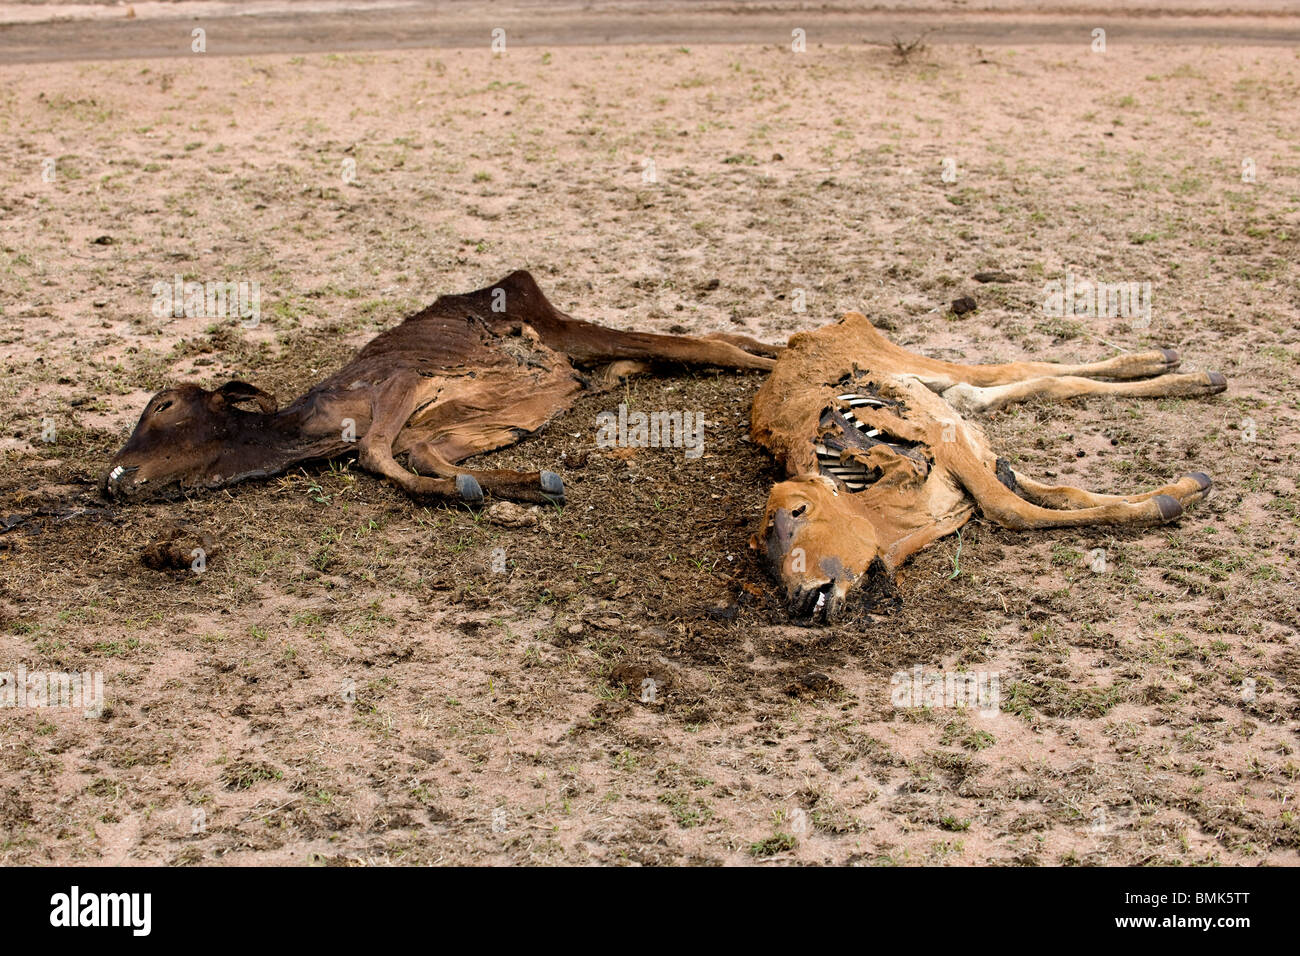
<point x="1006" y="475"/>
<point x="1171" y="357"/>
<point x="1169" y="507"/>
<point x="552" y="484"/>
<point x="470" y="491"/>
<point x="1202" y="479"/>
<point x="1217" y="379"/>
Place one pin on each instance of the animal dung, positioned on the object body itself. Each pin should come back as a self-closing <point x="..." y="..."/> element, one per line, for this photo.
<point x="812" y="685"/>
<point x="507" y="514"/>
<point x="181" y="548"/>
<point x="643" y="679"/>
<point x="963" y="305"/>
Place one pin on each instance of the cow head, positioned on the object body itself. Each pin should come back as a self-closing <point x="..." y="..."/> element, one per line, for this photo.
<point x="818" y="543"/>
<point x="189" y="437"/>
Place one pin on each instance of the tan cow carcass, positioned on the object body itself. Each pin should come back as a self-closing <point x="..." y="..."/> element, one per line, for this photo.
<point x="880" y="460"/>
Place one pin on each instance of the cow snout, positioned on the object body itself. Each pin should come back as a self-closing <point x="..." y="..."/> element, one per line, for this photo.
<point x="118" y="482"/>
<point x="816" y="601"/>
<point x="779" y="539"/>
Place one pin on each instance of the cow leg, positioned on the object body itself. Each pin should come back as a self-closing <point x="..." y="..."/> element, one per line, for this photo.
<point x="970" y="398"/>
<point x="1003" y="506"/>
<point x="390" y="410"/>
<point x="748" y="343"/>
<point x="378" y="458"/>
<point x="545" y="487"/>
<point x="682" y="348"/>
<point x="613" y="373"/>
<point x="589" y="344"/>
<point x="1187" y="491"/>
<point x="1127" y="366"/>
<point x="939" y="375"/>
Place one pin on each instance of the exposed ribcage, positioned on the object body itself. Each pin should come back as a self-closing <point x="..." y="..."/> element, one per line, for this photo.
<point x="854" y="475"/>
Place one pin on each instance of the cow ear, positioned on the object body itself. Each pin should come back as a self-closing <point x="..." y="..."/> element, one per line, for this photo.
<point x="233" y="393"/>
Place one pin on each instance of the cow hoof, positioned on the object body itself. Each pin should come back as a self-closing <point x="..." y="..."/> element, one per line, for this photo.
<point x="1202" y="479"/>
<point x="1169" y="507"/>
<point x="1217" y="380"/>
<point x="553" y="488"/>
<point x="470" y="491"/>
<point x="1171" y="357"/>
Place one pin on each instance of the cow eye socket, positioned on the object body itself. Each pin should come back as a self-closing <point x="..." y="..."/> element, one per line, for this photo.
<point x="163" y="407"/>
<point x="798" y="511"/>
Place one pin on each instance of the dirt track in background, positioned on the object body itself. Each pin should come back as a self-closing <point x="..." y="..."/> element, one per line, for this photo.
<point x="350" y="682"/>
<point x="164" y="30"/>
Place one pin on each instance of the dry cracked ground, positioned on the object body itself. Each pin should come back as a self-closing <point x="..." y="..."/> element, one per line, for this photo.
<point x="357" y="678"/>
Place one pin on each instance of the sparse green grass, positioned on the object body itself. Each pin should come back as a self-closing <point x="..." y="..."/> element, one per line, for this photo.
<point x="771" y="846"/>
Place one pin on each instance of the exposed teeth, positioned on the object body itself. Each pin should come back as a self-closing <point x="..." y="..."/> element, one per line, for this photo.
<point x="116" y="473"/>
<point x="821" y="602"/>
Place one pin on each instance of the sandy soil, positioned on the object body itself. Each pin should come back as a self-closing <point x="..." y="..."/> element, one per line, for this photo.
<point x="350" y="681"/>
